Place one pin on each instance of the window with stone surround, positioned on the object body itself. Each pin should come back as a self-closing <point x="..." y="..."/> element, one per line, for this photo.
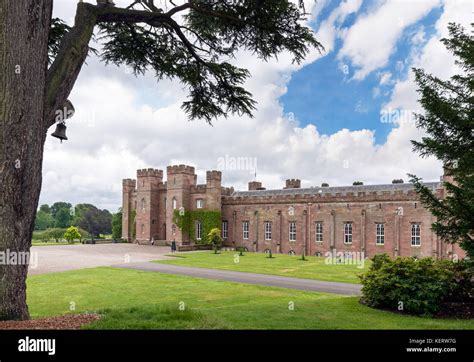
<point x="379" y="234"/>
<point x="268" y="230"/>
<point x="199" y="203"/>
<point x="319" y="232"/>
<point x="292" y="231"/>
<point x="198" y="230"/>
<point x="415" y="234"/>
<point x="245" y="230"/>
<point x="143" y="204"/>
<point x="348" y="233"/>
<point x="225" y="229"/>
<point x="175" y="203"/>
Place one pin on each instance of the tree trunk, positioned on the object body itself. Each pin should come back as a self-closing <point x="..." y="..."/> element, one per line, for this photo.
<point x="24" y="28"/>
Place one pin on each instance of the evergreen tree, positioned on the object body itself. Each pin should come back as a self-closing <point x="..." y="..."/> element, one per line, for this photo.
<point x="449" y="123"/>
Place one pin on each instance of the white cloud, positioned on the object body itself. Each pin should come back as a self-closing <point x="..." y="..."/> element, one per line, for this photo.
<point x="330" y="28"/>
<point x="385" y="78"/>
<point x="370" y="42"/>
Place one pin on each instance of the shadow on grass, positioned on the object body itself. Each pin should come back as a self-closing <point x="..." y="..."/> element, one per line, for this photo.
<point x="155" y="317"/>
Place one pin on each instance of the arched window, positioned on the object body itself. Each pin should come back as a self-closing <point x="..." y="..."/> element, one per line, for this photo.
<point x="143" y="204"/>
<point x="175" y="203"/>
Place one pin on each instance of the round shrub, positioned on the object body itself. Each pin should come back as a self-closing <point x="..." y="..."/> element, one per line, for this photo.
<point x="422" y="287"/>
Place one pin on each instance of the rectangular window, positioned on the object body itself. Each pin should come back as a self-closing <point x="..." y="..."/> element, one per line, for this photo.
<point x="292" y="232"/>
<point x="319" y="232"/>
<point x="348" y="233"/>
<point x="268" y="230"/>
<point x="415" y="235"/>
<point x="379" y="234"/>
<point x="199" y="204"/>
<point x="245" y="230"/>
<point x="225" y="229"/>
<point x="198" y="230"/>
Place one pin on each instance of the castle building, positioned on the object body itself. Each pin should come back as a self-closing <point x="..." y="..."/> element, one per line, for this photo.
<point x="370" y="219"/>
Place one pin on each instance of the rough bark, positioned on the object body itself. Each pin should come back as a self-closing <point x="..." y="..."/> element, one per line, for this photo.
<point x="24" y="28"/>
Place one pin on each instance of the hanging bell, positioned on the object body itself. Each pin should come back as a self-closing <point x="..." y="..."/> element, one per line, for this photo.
<point x="60" y="131"/>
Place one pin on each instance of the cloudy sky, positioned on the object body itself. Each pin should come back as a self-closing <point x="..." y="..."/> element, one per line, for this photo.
<point x="341" y="116"/>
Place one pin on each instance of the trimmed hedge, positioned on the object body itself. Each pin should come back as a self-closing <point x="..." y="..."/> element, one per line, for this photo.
<point x="423" y="287"/>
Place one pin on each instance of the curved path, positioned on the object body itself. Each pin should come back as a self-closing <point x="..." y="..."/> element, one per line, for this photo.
<point x="250" y="278"/>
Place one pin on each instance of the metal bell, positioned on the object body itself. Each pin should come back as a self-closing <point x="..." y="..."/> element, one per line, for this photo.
<point x="60" y="131"/>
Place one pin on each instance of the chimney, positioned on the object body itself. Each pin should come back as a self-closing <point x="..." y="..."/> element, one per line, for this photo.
<point x="293" y="184"/>
<point x="255" y="185"/>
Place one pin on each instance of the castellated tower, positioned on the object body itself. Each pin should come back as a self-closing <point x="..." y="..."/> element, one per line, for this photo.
<point x="292" y="184"/>
<point x="213" y="190"/>
<point x="180" y="180"/>
<point x="148" y="204"/>
<point x="128" y="204"/>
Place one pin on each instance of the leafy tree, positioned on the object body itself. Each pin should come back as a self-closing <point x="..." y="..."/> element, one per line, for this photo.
<point x="190" y="42"/>
<point x="45" y="208"/>
<point x="215" y="239"/>
<point x="117" y="225"/>
<point x="43" y="220"/>
<point x="324" y="184"/>
<point x="93" y="220"/>
<point x="449" y="123"/>
<point x="58" y="206"/>
<point x="56" y="234"/>
<point x="397" y="181"/>
<point x="63" y="218"/>
<point x="357" y="183"/>
<point x="71" y="234"/>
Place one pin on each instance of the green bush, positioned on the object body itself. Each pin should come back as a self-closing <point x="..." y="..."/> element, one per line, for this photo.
<point x="214" y="236"/>
<point x="419" y="287"/>
<point x="71" y="234"/>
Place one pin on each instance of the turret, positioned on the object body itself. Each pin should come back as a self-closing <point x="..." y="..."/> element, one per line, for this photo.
<point x="148" y="183"/>
<point x="292" y="184"/>
<point x="128" y="188"/>
<point x="255" y="185"/>
<point x="180" y="180"/>
<point x="213" y="190"/>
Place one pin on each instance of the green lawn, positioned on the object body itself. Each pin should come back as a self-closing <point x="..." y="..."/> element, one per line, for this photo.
<point x="137" y="299"/>
<point x="281" y="264"/>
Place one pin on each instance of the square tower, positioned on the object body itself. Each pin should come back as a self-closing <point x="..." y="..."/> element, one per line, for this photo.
<point x="148" y="204"/>
<point x="180" y="180"/>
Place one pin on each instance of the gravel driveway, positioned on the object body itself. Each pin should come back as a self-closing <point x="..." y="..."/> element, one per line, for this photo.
<point x="47" y="259"/>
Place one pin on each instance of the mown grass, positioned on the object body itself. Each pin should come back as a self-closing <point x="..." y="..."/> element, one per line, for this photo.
<point x="132" y="299"/>
<point x="281" y="264"/>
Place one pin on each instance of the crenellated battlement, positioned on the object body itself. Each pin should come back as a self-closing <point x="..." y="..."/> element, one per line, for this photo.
<point x="227" y="191"/>
<point x="150" y="172"/>
<point x="180" y="169"/>
<point x="199" y="189"/>
<point x="293" y="183"/>
<point x="333" y="194"/>
<point x="214" y="175"/>
<point x="129" y="183"/>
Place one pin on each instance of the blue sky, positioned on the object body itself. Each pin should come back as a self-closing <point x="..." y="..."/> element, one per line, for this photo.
<point x="323" y="95"/>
